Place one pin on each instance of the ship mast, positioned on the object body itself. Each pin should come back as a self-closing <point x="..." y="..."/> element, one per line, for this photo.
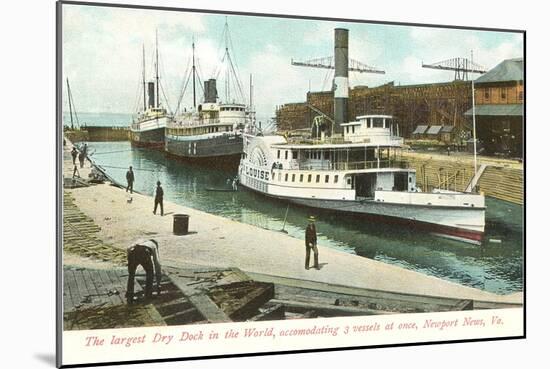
<point x="144" y="84"/>
<point x="70" y="103"/>
<point x="194" y="72"/>
<point x="157" y="65"/>
<point x="474" y="121"/>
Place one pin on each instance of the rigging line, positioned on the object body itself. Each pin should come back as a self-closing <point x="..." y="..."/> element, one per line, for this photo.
<point x="237" y="81"/>
<point x="163" y="72"/>
<point x="165" y="98"/>
<point x="185" y="83"/>
<point x="125" y="168"/>
<point x="218" y="68"/>
<point x="111" y="152"/>
<point x="233" y="49"/>
<point x="199" y="74"/>
<point x="137" y="102"/>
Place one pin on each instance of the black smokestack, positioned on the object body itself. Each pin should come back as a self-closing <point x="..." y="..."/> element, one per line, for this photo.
<point x="151" y="93"/>
<point x="341" y="83"/>
<point x="210" y="91"/>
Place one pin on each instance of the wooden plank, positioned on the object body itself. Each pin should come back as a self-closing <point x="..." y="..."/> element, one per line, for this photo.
<point x="275" y="312"/>
<point x="202" y="302"/>
<point x="67" y="296"/>
<point x="80" y="288"/>
<point x="68" y="286"/>
<point x="464" y="305"/>
<point x="252" y="295"/>
<point x="325" y="310"/>
<point x="396" y="297"/>
<point x="115" y="299"/>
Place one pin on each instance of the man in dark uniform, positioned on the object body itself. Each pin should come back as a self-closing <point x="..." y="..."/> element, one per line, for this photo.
<point x="159" y="194"/>
<point x="130" y="180"/>
<point x="81" y="157"/>
<point x="146" y="254"/>
<point x="311" y="243"/>
<point x="74" y="154"/>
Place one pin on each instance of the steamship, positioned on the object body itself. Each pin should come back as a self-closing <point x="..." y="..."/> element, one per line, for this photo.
<point x="359" y="173"/>
<point x="212" y="131"/>
<point x="147" y="128"/>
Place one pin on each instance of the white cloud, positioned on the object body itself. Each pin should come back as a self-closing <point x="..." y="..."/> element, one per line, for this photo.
<point x="103" y="53"/>
<point x="433" y="45"/>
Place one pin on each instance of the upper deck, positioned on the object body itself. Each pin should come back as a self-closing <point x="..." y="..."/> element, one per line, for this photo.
<point x="368" y="130"/>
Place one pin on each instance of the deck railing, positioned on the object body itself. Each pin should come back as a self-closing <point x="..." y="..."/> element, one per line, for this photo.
<point x="350" y="165"/>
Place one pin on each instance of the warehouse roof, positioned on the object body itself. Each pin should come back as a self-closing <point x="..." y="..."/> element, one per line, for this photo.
<point x="507" y="70"/>
<point x="420" y="130"/>
<point x="497" y="109"/>
<point x="433" y="130"/>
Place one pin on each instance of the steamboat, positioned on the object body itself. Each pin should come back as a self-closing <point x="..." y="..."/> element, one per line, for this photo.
<point x="359" y="173"/>
<point x="147" y="128"/>
<point x="211" y="132"/>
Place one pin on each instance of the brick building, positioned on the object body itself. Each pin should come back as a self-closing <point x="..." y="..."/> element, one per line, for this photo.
<point x="411" y="105"/>
<point x="499" y="108"/>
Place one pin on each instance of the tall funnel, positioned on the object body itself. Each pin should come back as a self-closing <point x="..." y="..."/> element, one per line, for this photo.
<point x="341" y="83"/>
<point x="210" y="91"/>
<point x="151" y="94"/>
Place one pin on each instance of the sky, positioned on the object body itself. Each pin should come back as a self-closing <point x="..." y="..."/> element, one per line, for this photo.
<point x="102" y="54"/>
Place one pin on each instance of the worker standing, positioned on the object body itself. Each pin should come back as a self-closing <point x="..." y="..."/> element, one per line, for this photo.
<point x="130" y="180"/>
<point x="311" y="243"/>
<point x="74" y="154"/>
<point x="159" y="195"/>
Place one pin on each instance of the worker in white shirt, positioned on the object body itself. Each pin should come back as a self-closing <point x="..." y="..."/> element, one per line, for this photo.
<point x="146" y="254"/>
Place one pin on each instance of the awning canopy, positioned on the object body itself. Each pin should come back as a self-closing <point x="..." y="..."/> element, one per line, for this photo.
<point x="420" y="130"/>
<point x="433" y="130"/>
<point x="498" y="109"/>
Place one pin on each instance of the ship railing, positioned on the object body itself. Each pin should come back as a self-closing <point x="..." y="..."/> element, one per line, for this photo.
<point x="350" y="165"/>
<point x="195" y="122"/>
<point x="310" y="141"/>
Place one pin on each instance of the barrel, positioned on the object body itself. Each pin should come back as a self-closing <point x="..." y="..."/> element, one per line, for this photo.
<point x="181" y="224"/>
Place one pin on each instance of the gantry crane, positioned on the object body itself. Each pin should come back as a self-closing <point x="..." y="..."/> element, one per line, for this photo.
<point x="328" y="63"/>
<point x="461" y="67"/>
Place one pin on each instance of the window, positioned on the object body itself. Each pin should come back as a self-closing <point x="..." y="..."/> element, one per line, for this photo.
<point x="378" y="122"/>
<point x="352" y="129"/>
<point x="326" y="178"/>
<point x="301" y="177"/>
<point x="503" y="93"/>
<point x="486" y="95"/>
<point x="278" y="154"/>
<point x="309" y="177"/>
<point x="295" y="155"/>
<point x="293" y="177"/>
<point x="286" y="154"/>
<point x="327" y="155"/>
<point x="336" y="178"/>
<point x="273" y="175"/>
<point x="286" y="177"/>
<point x="520" y="95"/>
<point x="317" y="178"/>
<point x="347" y="129"/>
<point x="279" y="177"/>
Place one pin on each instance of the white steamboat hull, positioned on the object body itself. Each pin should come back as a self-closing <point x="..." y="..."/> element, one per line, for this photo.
<point x="461" y="223"/>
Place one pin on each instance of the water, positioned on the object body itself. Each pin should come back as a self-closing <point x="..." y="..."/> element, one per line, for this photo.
<point x="98" y="119"/>
<point x="494" y="267"/>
